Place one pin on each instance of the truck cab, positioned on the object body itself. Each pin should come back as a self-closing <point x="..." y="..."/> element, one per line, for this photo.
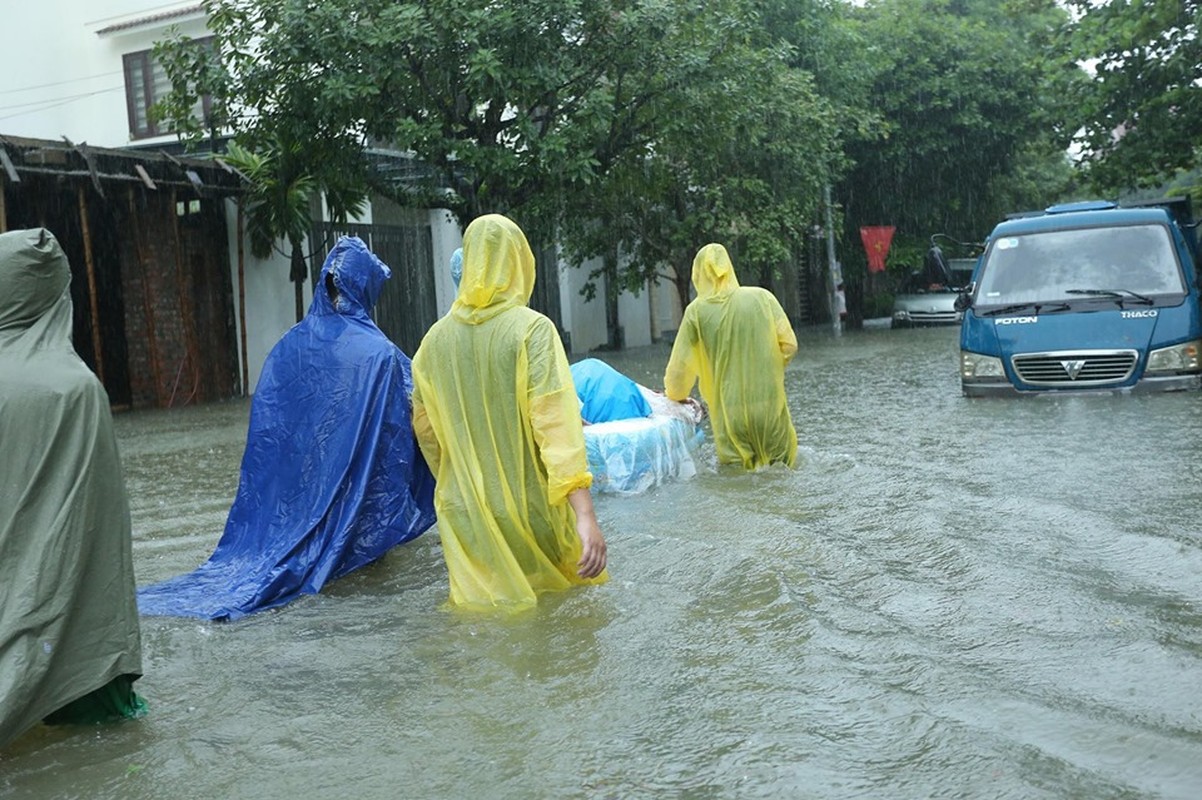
<point x="1085" y="297"/>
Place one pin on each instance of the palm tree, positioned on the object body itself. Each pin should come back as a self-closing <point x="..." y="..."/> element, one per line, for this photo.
<point x="278" y="195"/>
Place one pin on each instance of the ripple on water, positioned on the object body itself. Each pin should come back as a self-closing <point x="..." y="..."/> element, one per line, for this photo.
<point x="948" y="597"/>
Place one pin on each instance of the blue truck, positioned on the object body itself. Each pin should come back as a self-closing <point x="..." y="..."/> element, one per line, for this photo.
<point x="1085" y="297"/>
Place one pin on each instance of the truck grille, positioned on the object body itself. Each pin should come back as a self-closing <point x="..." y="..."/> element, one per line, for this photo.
<point x="1075" y="368"/>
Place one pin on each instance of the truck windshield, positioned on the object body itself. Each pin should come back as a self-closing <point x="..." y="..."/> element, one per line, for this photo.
<point x="1056" y="265"/>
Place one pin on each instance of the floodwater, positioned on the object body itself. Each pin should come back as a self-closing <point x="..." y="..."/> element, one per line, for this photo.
<point x="948" y="598"/>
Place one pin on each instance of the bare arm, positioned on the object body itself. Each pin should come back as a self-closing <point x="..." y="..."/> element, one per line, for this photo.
<point x="592" y="554"/>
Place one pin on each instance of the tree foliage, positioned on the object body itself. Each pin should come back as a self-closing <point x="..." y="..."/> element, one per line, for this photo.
<point x="970" y="98"/>
<point x="277" y="204"/>
<point x="303" y="141"/>
<point x="740" y="159"/>
<point x="285" y="161"/>
<point x="500" y="100"/>
<point x="651" y="126"/>
<point x="638" y="130"/>
<point x="1143" y="110"/>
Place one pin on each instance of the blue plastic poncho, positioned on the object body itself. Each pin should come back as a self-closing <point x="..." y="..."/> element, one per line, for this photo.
<point x="606" y="394"/>
<point x="332" y="477"/>
<point x="457" y="266"/>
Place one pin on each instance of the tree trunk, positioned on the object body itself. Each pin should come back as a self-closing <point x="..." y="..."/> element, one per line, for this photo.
<point x="613" y="324"/>
<point x="684" y="282"/>
<point x="296" y="274"/>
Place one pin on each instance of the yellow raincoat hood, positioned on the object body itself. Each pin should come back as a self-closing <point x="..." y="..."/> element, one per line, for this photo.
<point x="498" y="269"/>
<point x="713" y="274"/>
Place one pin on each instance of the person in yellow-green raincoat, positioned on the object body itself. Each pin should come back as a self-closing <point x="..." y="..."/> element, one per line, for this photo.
<point x="735" y="341"/>
<point x="496" y="415"/>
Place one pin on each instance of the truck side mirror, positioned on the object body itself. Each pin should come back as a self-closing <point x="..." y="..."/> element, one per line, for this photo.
<point x="964" y="299"/>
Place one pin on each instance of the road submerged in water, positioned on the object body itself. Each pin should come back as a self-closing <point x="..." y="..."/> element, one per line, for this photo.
<point x="948" y="597"/>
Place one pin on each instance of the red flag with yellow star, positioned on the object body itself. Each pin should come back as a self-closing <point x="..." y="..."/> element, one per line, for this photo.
<point x="877" y="239"/>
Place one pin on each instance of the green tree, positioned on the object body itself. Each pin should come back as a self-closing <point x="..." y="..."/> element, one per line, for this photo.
<point x="285" y="165"/>
<point x="827" y="43"/>
<point x="739" y="159"/>
<point x="972" y="98"/>
<point x="531" y="107"/>
<point x="277" y="201"/>
<point x="1143" y="109"/>
<point x="501" y="101"/>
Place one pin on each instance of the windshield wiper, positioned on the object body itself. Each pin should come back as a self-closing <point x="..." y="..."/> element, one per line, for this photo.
<point x="1036" y="307"/>
<point x="1116" y="294"/>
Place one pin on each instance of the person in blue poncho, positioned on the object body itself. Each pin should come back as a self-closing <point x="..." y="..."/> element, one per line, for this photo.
<point x="332" y="477"/>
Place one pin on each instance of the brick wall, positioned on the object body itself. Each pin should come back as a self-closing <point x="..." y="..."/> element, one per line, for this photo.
<point x="177" y="298"/>
<point x="160" y="327"/>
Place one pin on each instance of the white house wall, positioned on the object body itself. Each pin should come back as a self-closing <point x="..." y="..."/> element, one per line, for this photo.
<point x="585" y="320"/>
<point x="634" y="315"/>
<point x="447" y="238"/>
<point x="63" y="79"/>
<point x="665" y="309"/>
<point x="270" y="301"/>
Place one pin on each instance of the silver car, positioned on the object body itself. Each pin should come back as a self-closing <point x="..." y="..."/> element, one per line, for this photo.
<point x="921" y="302"/>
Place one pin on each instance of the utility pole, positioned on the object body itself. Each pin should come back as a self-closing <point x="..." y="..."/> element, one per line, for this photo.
<point x="833" y="265"/>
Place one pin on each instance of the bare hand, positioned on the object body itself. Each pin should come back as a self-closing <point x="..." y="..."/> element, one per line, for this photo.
<point x="592" y="542"/>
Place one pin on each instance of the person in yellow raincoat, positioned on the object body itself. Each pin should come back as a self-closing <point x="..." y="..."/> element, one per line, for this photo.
<point x="496" y="415"/>
<point x="735" y="341"/>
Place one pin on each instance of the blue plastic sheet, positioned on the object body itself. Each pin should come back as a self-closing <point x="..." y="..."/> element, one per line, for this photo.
<point x="630" y="456"/>
<point x="331" y="477"/>
<point x="606" y="394"/>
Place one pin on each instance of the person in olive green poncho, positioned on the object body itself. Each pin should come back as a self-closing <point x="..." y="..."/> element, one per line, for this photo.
<point x="735" y="342"/>
<point x="70" y="645"/>
<point x="498" y="420"/>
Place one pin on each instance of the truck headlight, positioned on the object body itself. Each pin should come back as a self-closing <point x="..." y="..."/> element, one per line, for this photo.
<point x="901" y="315"/>
<point x="1178" y="358"/>
<point x="974" y="366"/>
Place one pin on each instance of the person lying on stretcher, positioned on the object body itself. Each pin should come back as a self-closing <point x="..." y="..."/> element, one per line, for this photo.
<point x="607" y="395"/>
